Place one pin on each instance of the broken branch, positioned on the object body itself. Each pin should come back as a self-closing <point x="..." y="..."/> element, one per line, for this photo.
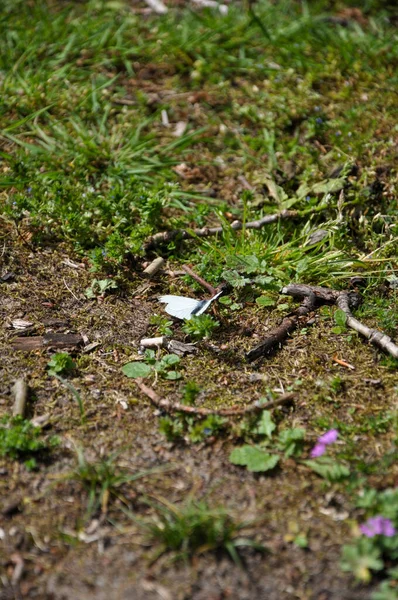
<point x="377" y="338"/>
<point x="233" y="411"/>
<point x="276" y="336"/>
<point x="317" y="296"/>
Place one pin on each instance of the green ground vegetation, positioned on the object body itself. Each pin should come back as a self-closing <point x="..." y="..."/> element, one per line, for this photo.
<point x="117" y="124"/>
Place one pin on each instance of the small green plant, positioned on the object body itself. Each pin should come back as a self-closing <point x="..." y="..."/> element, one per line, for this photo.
<point x="99" y="287"/>
<point x="138" y="369"/>
<point x="340" y="319"/>
<point x="19" y="439"/>
<point x="200" y="327"/>
<point x="182" y="426"/>
<point x="190" y="392"/>
<point x="60" y="363"/>
<point x="194" y="528"/>
<point x="376" y="548"/>
<point x="262" y="457"/>
<point x="161" y="323"/>
<point x="361" y="558"/>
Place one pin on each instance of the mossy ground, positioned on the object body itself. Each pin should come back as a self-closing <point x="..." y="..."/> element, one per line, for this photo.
<point x="89" y="171"/>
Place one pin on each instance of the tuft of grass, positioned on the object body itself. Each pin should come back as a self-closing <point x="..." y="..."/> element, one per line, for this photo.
<point x="195" y="528"/>
<point x="103" y="480"/>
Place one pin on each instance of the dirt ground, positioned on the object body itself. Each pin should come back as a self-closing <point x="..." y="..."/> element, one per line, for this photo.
<point x="48" y="551"/>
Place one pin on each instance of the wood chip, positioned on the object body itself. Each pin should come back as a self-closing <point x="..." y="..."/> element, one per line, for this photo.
<point x="343" y="363"/>
<point x="21" y="324"/>
<point x="180" y="128"/>
<point x="49" y="340"/>
<point x="154" y="267"/>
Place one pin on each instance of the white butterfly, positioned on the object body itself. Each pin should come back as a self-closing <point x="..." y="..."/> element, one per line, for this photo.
<point x="185" y="308"/>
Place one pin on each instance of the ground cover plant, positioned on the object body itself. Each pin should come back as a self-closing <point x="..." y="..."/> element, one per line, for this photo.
<point x="256" y="143"/>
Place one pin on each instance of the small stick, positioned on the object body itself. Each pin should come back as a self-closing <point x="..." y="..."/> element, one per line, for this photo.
<point x="199" y="279"/>
<point x="164" y="237"/>
<point x="276" y="336"/>
<point x="157" y="342"/>
<point x="20" y="390"/>
<point x="378" y="338"/>
<point x="171" y="407"/>
<point x="154" y="267"/>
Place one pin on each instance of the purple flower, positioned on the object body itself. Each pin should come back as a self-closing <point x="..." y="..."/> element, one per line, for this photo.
<point x="329" y="437"/>
<point x="324" y="440"/>
<point x="378" y="526"/>
<point x="318" y="450"/>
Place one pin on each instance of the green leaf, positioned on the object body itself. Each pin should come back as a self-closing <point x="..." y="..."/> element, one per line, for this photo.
<point x="291" y="440"/>
<point x="387" y="591"/>
<point x="136" y="369"/>
<point x="328" y="468"/>
<point x="265" y="301"/>
<point x="268" y="282"/>
<point x="338" y="330"/>
<point x="172" y="375"/>
<point x="255" y="459"/>
<point x="61" y="362"/>
<point x="246" y="264"/>
<point x="340" y="317"/>
<point x="328" y="186"/>
<point x="284" y="306"/>
<point x="236" y="280"/>
<point x="170" y="359"/>
<point x="265" y="424"/>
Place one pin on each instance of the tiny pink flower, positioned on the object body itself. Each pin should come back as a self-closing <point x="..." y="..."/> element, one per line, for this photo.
<point x="324" y="440"/>
<point x="378" y="526"/>
<point x="329" y="437"/>
<point x="318" y="450"/>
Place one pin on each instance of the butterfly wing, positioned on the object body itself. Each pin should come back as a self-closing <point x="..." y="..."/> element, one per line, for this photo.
<point x="180" y="306"/>
<point x="206" y="304"/>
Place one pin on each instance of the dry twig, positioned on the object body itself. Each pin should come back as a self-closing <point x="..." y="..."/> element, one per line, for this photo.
<point x="199" y="279"/>
<point x="276" y="336"/>
<point x="233" y="411"/>
<point x="378" y="338"/>
<point x="164" y="237"/>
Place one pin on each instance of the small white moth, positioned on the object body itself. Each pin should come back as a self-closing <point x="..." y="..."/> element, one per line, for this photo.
<point x="185" y="308"/>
